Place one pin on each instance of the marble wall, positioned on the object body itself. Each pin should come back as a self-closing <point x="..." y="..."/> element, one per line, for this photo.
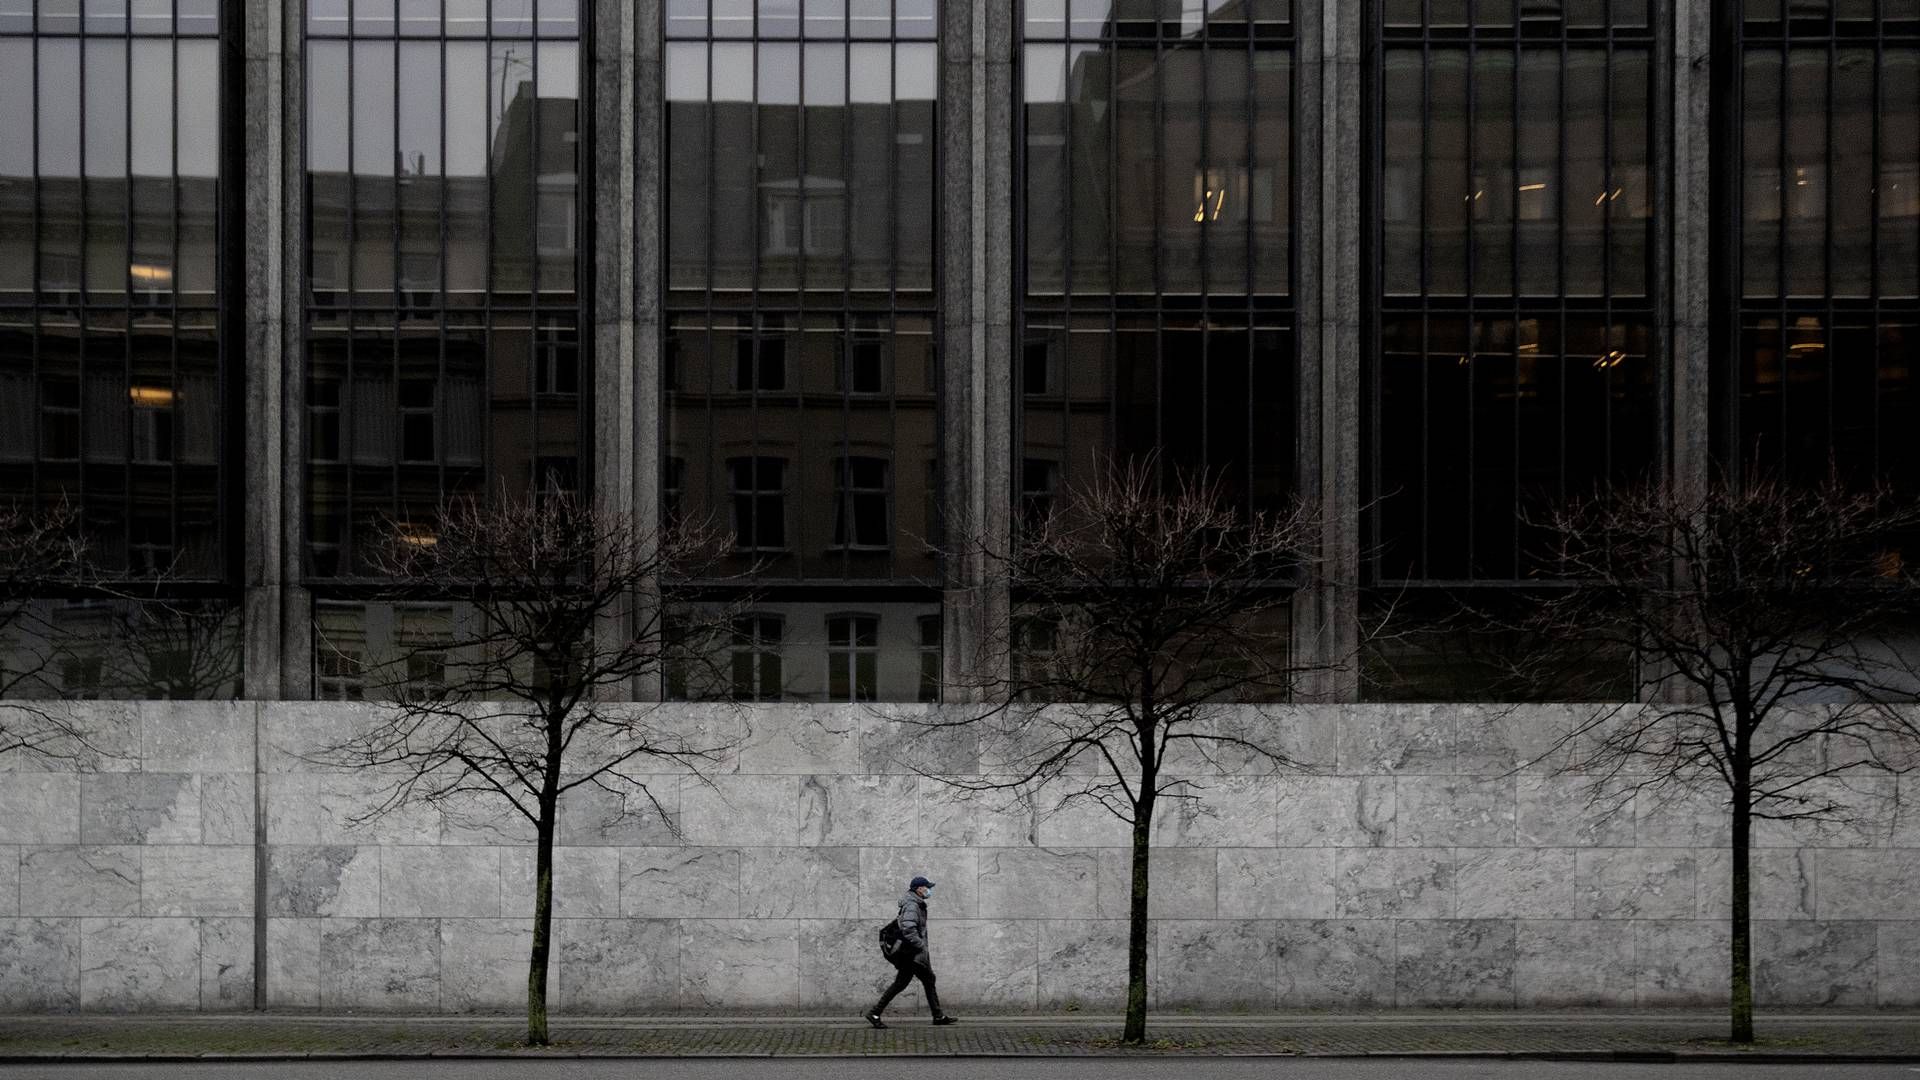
<point x="1414" y="863"/>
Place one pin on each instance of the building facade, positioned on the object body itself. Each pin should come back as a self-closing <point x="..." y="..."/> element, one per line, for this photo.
<point x="839" y="273"/>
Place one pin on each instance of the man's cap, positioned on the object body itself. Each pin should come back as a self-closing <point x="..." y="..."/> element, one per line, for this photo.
<point x="917" y="882"/>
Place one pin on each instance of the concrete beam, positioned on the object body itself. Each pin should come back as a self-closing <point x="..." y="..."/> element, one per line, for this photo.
<point x="264" y="359"/>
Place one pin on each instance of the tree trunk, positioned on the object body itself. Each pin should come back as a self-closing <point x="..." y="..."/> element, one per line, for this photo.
<point x="542" y="932"/>
<point x="1741" y="984"/>
<point x="1136" y="1030"/>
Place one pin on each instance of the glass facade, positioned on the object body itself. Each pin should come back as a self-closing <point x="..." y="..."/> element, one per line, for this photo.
<point x="1828" y="252"/>
<point x="1518" y="218"/>
<point x="443" y="160"/>
<point x="1156" y="219"/>
<point x="1514" y="354"/>
<point x="800" y="375"/>
<point x="115" y="370"/>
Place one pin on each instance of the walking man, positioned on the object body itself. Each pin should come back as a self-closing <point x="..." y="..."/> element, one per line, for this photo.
<point x="911" y="957"/>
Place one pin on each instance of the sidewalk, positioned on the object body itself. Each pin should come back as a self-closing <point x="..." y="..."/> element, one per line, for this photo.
<point x="1662" y="1035"/>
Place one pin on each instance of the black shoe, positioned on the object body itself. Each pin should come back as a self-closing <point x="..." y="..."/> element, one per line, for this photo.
<point x="874" y="1019"/>
<point x="943" y="1020"/>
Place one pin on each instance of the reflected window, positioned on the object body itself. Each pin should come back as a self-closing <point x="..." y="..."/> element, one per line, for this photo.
<point x="853" y="657"/>
<point x="863" y="517"/>
<point x="930" y="658"/>
<point x="759" y="495"/>
<point x="756" y="662"/>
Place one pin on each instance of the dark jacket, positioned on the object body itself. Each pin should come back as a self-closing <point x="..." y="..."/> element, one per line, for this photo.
<point x="913" y="932"/>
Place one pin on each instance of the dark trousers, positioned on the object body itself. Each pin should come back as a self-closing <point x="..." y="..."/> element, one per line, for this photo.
<point x="905" y="974"/>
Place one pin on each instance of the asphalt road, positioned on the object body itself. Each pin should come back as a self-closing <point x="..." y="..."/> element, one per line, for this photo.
<point x="960" y="1069"/>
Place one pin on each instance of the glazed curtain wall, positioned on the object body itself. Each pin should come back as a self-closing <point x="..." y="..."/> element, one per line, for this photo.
<point x="443" y="156"/>
<point x="1827" y="260"/>
<point x="1157" y="208"/>
<point x="800" y="362"/>
<point x="114" y="371"/>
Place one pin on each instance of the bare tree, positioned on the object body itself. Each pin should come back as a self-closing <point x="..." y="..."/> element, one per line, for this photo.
<point x="559" y="615"/>
<point x="1764" y="621"/>
<point x="41" y="552"/>
<point x="1140" y="611"/>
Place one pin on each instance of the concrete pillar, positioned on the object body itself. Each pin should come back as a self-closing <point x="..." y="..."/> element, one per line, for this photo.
<point x="1685" y="248"/>
<point x="1328" y="132"/>
<point x="625" y="318"/>
<point x="262" y="359"/>
<point x="977" y="94"/>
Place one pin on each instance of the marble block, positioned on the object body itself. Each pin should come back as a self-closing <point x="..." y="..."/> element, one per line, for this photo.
<point x="309" y="882"/>
<point x="1326" y="963"/>
<point x="986" y="964"/>
<point x="884" y="873"/>
<point x="1564" y="963"/>
<point x="226" y="964"/>
<point x="1396" y="739"/>
<point x="1224" y="812"/>
<point x="1681" y="817"/>
<point x="1216" y="963"/>
<point x="1033" y="883"/>
<point x="644" y="815"/>
<point x="1514" y="883"/>
<point x="1394" y="883"/>
<point x="953" y="816"/>
<point x="293" y="963"/>
<point x="140" y="808"/>
<point x="739" y="963"/>
<point x="619" y="966"/>
<point x="893" y="743"/>
<point x="586" y="883"/>
<point x="1815" y="963"/>
<point x="483" y="964"/>
<point x="1453" y="811"/>
<point x="481" y="819"/>
<point x="1898" y="952"/>
<point x="40" y="808"/>
<point x="197" y="736"/>
<point x="39" y="964"/>
<point x="227" y="808"/>
<point x="740" y="811"/>
<point x="1181" y="883"/>
<point x="1064" y="818"/>
<point x="453" y="882"/>
<point x="1863" y="815"/>
<point x="1454" y="963"/>
<point x="128" y="964"/>
<point x="859" y="811"/>
<point x="1680" y="963"/>
<point x="1780" y="883"/>
<point x="1558" y="811"/>
<point x="801" y="883"/>
<point x="1273" y="883"/>
<point x="196" y="881"/>
<point x="1629" y="883"/>
<point x="380" y="964"/>
<point x="1335" y="811"/>
<point x="67" y="881"/>
<point x="1083" y="964"/>
<point x="841" y="968"/>
<point x="1853" y="884"/>
<point x="674" y="883"/>
<point x="10" y="897"/>
<point x="801" y="740"/>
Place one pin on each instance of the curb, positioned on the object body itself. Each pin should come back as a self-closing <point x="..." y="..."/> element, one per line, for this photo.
<point x="1654" y="1057"/>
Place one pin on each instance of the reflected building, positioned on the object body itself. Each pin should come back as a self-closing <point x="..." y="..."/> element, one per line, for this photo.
<point x="842" y="276"/>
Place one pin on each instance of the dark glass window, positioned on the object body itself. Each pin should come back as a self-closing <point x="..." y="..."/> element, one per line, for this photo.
<point x="930" y="662"/>
<point x="443" y="227"/>
<point x="800" y="330"/>
<point x="1157" y="228"/>
<point x="1828" y="257"/>
<point x="114" y="376"/>
<point x="1513" y="356"/>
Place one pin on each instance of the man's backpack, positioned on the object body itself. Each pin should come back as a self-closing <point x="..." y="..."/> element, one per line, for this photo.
<point x="890" y="938"/>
